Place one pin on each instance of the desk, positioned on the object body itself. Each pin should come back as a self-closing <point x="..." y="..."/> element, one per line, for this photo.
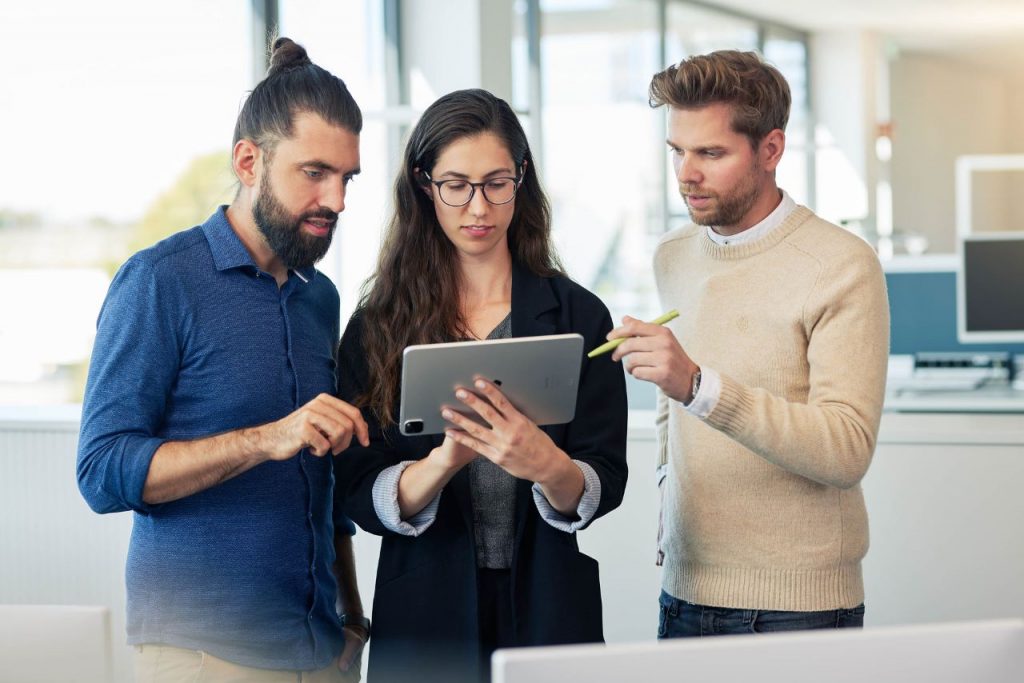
<point x="944" y="509"/>
<point x="998" y="398"/>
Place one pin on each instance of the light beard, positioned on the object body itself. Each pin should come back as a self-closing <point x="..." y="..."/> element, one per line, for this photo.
<point x="729" y="209"/>
<point x="283" y="230"/>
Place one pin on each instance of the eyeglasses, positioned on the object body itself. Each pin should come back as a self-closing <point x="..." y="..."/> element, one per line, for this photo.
<point x="457" y="192"/>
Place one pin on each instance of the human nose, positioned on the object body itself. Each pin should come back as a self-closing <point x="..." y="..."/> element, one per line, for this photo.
<point x="478" y="204"/>
<point x="334" y="195"/>
<point x="687" y="170"/>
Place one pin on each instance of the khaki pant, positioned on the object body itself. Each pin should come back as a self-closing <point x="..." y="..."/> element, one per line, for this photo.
<point x="165" y="664"/>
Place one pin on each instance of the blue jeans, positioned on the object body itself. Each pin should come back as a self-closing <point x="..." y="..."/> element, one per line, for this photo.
<point x="681" y="619"/>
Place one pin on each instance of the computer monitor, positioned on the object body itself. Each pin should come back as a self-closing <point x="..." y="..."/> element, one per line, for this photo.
<point x="980" y="652"/>
<point x="990" y="288"/>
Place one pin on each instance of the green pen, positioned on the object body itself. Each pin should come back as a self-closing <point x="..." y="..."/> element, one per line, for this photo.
<point x="614" y="343"/>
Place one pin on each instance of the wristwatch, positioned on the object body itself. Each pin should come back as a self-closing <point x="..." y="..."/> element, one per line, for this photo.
<point x="359" y="621"/>
<point x="695" y="387"/>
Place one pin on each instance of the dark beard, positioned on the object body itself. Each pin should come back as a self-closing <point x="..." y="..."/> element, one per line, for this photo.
<point x="283" y="231"/>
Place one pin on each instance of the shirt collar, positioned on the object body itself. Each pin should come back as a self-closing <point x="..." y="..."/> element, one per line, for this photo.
<point x="228" y="250"/>
<point x="759" y="230"/>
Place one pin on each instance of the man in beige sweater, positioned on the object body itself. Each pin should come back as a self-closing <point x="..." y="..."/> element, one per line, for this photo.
<point x="770" y="382"/>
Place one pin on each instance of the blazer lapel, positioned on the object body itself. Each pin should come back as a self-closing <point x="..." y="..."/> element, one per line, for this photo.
<point x="534" y="313"/>
<point x="532" y="297"/>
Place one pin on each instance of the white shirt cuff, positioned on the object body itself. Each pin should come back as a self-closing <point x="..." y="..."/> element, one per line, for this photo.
<point x="385" y="504"/>
<point x="585" y="510"/>
<point x="707" y="395"/>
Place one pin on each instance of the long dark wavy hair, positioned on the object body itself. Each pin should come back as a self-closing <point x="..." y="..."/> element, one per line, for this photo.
<point x="413" y="296"/>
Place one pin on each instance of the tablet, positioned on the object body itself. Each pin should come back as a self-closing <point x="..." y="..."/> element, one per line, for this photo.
<point x="538" y="375"/>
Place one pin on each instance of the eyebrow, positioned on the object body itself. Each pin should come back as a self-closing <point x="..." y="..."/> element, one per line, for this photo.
<point x="463" y="176"/>
<point x="324" y="166"/>
<point x="703" y="148"/>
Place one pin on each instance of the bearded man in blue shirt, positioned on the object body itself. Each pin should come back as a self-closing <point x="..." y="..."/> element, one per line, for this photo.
<point x="210" y="409"/>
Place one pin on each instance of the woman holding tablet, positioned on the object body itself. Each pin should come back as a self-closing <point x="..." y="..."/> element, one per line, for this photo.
<point x="478" y="525"/>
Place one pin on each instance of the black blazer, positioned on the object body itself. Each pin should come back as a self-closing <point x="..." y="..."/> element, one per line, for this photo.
<point x="425" y="623"/>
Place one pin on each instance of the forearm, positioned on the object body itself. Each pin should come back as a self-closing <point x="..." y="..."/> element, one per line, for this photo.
<point x="829" y="442"/>
<point x="182" y="468"/>
<point x="562" y="484"/>
<point x="345" y="573"/>
<point x="421" y="482"/>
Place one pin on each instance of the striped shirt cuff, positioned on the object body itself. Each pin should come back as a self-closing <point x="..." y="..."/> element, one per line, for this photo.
<point x="385" y="504"/>
<point x="584" y="511"/>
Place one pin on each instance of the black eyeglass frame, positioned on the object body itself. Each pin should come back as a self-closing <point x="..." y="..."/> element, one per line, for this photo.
<point x="516" y="182"/>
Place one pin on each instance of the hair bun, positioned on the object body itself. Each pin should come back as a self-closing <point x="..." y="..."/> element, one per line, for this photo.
<point x="287" y="54"/>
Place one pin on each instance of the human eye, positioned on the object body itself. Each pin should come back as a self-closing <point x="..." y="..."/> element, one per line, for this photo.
<point x="313" y="173"/>
<point x="348" y="178"/>
<point x="456" y="185"/>
<point x="498" y="183"/>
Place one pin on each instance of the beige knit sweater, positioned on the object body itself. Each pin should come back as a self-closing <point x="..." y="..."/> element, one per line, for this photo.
<point x="763" y="507"/>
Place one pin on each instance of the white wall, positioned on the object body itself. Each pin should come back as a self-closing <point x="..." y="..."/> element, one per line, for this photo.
<point x="53" y="549"/>
<point x="1015" y="143"/>
<point x="455" y="44"/>
<point x="941" y="109"/>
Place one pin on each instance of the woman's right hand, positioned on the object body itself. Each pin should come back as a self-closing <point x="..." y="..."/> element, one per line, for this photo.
<point x="423" y="480"/>
<point x="452" y="455"/>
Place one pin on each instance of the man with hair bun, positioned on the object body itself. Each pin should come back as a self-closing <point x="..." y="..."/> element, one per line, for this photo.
<point x="770" y="382"/>
<point x="210" y="410"/>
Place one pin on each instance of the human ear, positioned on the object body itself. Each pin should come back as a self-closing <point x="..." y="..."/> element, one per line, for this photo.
<point x="244" y="158"/>
<point x="771" y="149"/>
<point x="419" y="179"/>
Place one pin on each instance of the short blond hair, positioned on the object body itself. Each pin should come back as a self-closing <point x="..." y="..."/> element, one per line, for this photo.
<point x="757" y="91"/>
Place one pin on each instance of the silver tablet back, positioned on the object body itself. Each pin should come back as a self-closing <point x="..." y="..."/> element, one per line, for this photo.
<point x="538" y="375"/>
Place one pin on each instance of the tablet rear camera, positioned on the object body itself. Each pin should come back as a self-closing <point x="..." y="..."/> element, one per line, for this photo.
<point x="413" y="426"/>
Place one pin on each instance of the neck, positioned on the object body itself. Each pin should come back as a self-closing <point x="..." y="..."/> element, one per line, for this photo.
<point x="486" y="280"/>
<point x="242" y="222"/>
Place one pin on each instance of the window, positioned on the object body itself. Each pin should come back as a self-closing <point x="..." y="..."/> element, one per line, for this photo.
<point x="117" y="123"/>
<point x="603" y="145"/>
<point x="347" y="39"/>
<point x="788" y="52"/>
<point x="603" y="156"/>
<point x="118" y="127"/>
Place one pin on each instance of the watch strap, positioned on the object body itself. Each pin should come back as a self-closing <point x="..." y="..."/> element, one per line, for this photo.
<point x="357" y="620"/>
<point x="695" y="387"/>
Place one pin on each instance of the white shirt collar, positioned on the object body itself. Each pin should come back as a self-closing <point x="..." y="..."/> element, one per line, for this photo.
<point x="756" y="232"/>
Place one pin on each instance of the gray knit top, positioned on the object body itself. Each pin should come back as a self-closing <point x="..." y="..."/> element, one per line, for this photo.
<point x="493" y="491"/>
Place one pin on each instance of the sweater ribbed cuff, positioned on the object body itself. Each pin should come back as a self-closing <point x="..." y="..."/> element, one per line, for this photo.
<point x="734" y="404"/>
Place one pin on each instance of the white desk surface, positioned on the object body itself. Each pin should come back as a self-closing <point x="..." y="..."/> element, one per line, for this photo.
<point x="926" y="427"/>
<point x="989" y="399"/>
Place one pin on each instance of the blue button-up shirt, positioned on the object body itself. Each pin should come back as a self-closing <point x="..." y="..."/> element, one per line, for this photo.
<point x="193" y="340"/>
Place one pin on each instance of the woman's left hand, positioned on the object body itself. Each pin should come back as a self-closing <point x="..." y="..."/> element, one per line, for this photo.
<point x="513" y="442"/>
